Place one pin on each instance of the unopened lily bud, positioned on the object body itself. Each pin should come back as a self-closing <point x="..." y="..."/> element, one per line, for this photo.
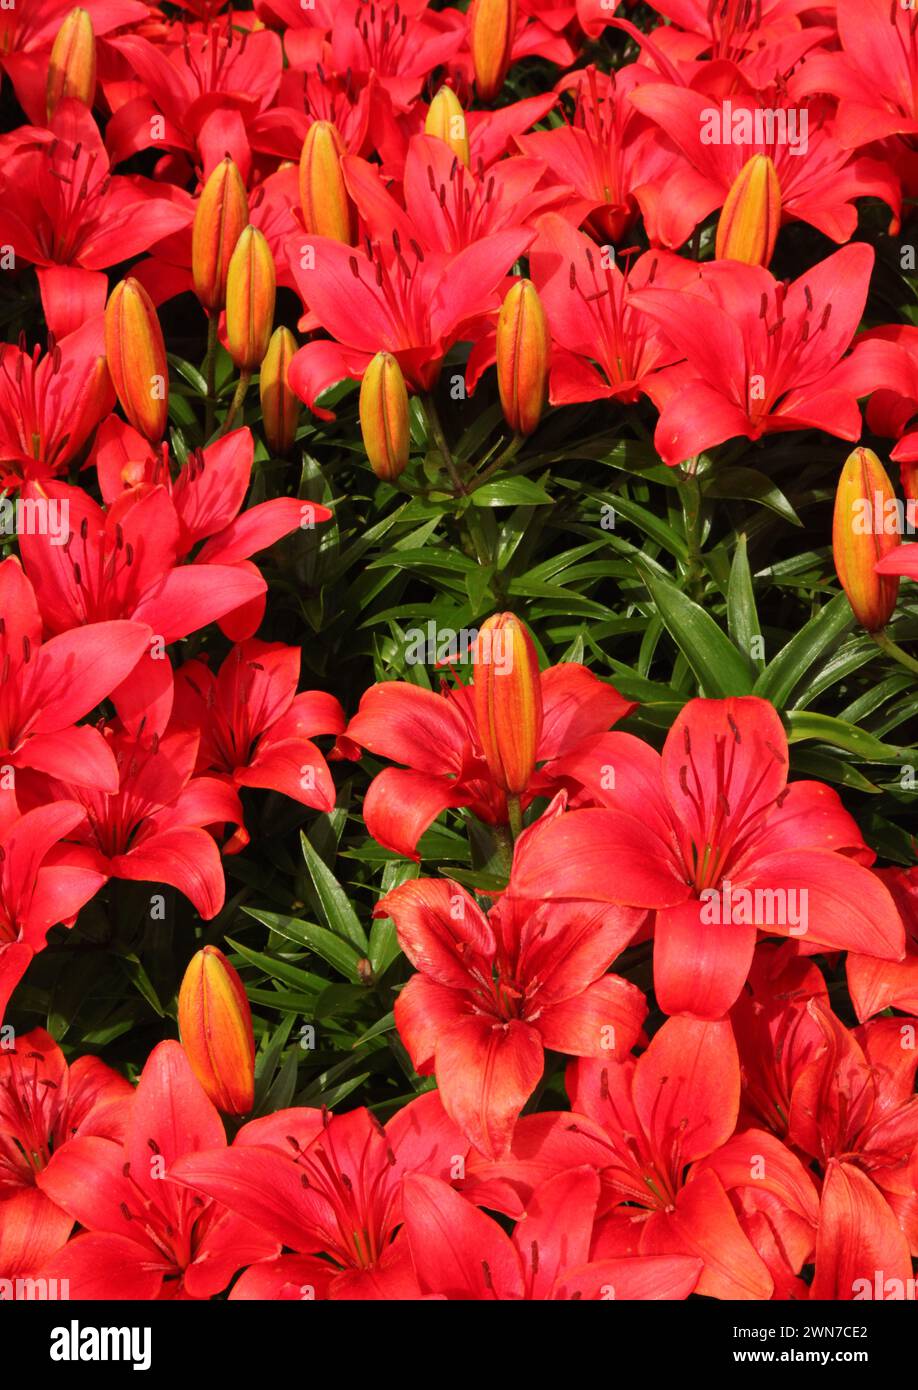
<point x="508" y="701"/>
<point x="446" y="119"/>
<point x="72" y="65"/>
<point x="523" y="353"/>
<point x="384" y="417"/>
<point x="250" y="287"/>
<point x="326" y="205"/>
<point x="220" y="218"/>
<point x="136" y="356"/>
<point x="749" y="222"/>
<point x="215" y="1023"/>
<point x="862" y="534"/>
<point x="492" y="31"/>
<point x="280" y="407"/>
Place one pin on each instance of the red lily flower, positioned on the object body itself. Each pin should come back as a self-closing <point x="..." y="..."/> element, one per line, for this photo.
<point x="329" y="1185"/>
<point x="36" y="892"/>
<point x="148" y="1237"/>
<point x="660" y="1131"/>
<point x="255" y="730"/>
<point x="493" y="991"/>
<point x="411" y="302"/>
<point x="748" y="1183"/>
<point x="436" y="735"/>
<point x="608" y="152"/>
<point x="207" y="494"/>
<point x="891" y="985"/>
<point x="593" y="318"/>
<point x="712" y="834"/>
<point x="396" y="42"/>
<point x="206" y="88"/>
<point x="874" y="75"/>
<point x="151" y="830"/>
<point x="854" y="1100"/>
<point x="449" y="207"/>
<point x="63" y="211"/>
<point x="459" y="1252"/>
<point x="819" y="180"/>
<point x="50" y="405"/>
<point x="763" y="357"/>
<point x="44" y="1104"/>
<point x="122" y="563"/>
<point x="46" y="688"/>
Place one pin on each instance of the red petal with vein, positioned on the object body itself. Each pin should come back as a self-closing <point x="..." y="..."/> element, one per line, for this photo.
<point x="400" y="805"/>
<point x="486" y="1072"/>
<point x="645" y="1277"/>
<point x="847" y="907"/>
<point x="187" y="859"/>
<point x="699" y="967"/>
<point x="458" y="1252"/>
<point x="78" y="669"/>
<point x="555" y="1231"/>
<point x="410" y="726"/>
<point x="193" y="596"/>
<point x="439" y="924"/>
<point x="103" y="1266"/>
<point x="599" y="856"/>
<point x="576" y="703"/>
<point x="858" y="1238"/>
<point x="604" y="1020"/>
<point x="688" y="1083"/>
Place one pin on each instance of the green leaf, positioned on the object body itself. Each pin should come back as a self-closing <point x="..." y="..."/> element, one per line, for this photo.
<point x="720" y="668"/>
<point x="804" y="724"/>
<point x="813" y="640"/>
<point x="749" y="485"/>
<point x="742" y="617"/>
<point x="339" y="954"/>
<point x="339" y="914"/>
<point x="510" y="492"/>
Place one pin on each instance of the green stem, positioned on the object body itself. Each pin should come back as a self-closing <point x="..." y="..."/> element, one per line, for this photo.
<point x="242" y="385"/>
<point x="435" y="429"/>
<point x="891" y="648"/>
<point x="514" y="811"/>
<point x="691" y="517"/>
<point x="211" y="360"/>
<point x="505" y="844"/>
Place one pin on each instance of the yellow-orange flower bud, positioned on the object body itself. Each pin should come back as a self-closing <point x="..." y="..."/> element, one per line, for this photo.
<point x="864" y="529"/>
<point x="280" y="407"/>
<point x="492" y="31"/>
<point x="136" y="356"/>
<point x="326" y="205"/>
<point x="523" y="353"/>
<point x="508" y="701"/>
<point x="215" y="1023"/>
<point x="446" y="119"/>
<point x="384" y="417"/>
<point x="749" y="222"/>
<point x="72" y="65"/>
<point x="250" y="288"/>
<point x="220" y="218"/>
